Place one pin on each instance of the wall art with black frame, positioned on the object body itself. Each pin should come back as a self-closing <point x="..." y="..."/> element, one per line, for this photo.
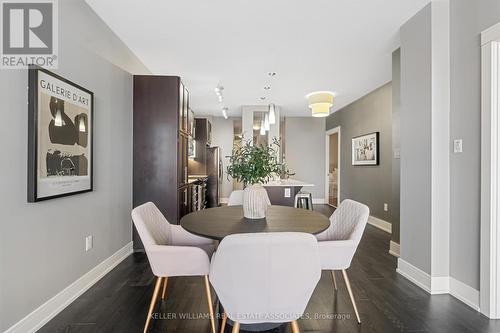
<point x="60" y="136"/>
<point x="365" y="150"/>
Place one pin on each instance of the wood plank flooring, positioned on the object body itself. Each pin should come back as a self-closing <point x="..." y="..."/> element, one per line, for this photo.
<point x="387" y="301"/>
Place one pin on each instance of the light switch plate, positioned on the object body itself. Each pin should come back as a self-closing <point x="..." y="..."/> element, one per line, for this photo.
<point x="457" y="146"/>
<point x="397" y="153"/>
<point x="88" y="243"/>
<point x="386" y="207"/>
<point x="288" y="193"/>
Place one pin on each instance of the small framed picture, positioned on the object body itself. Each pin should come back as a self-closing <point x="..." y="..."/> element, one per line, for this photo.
<point x="365" y="149"/>
<point x="60" y="136"/>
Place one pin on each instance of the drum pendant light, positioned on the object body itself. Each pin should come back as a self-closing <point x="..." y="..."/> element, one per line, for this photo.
<point x="320" y="103"/>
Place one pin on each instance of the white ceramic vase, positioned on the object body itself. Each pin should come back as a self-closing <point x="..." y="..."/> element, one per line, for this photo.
<point x="255" y="202"/>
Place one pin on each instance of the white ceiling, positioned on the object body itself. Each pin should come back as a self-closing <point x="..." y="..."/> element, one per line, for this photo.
<point x="343" y="46"/>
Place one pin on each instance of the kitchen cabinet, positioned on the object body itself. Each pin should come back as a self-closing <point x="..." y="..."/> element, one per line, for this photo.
<point x="160" y="146"/>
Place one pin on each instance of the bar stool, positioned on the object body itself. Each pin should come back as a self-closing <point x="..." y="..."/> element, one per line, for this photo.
<point x="304" y="200"/>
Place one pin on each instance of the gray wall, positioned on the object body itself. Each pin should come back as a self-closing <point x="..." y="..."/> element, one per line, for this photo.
<point x="467" y="19"/>
<point x="305" y="152"/>
<point x="415" y="126"/>
<point x="42" y="245"/>
<point x="370" y="185"/>
<point x="396" y="144"/>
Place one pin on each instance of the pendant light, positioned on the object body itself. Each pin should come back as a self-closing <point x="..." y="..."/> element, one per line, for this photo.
<point x="320" y="103"/>
<point x="262" y="129"/>
<point x="266" y="122"/>
<point x="272" y="114"/>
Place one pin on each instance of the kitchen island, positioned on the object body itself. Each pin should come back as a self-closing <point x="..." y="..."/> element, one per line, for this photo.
<point x="282" y="192"/>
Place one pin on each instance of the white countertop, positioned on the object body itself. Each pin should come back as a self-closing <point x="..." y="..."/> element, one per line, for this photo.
<point x="288" y="183"/>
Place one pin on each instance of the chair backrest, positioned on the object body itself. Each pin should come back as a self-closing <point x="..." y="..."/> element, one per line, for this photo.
<point x="347" y="222"/>
<point x="235" y="198"/>
<point x="265" y="277"/>
<point x="152" y="227"/>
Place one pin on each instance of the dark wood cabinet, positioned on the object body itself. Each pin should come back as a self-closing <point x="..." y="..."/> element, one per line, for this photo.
<point x="185" y="200"/>
<point x="203" y="131"/>
<point x="183" y="159"/>
<point x="160" y="149"/>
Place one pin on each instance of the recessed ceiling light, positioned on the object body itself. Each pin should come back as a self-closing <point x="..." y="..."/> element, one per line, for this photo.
<point x="267" y="88"/>
<point x="271" y="74"/>
<point x="263" y="98"/>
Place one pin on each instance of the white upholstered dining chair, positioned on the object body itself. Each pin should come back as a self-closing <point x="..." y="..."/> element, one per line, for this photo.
<point x="265" y="277"/>
<point x="338" y="244"/>
<point x="235" y="198"/>
<point x="171" y="251"/>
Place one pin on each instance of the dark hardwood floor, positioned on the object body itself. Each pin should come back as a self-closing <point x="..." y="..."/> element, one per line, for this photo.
<point x="387" y="301"/>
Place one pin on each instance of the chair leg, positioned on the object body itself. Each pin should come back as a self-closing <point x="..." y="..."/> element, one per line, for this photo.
<point x="334" y="280"/>
<point x="210" y="307"/>
<point x="351" y="295"/>
<point x="223" y="324"/>
<point x="164" y="292"/>
<point x="236" y="327"/>
<point x="153" y="302"/>
<point x="295" y="327"/>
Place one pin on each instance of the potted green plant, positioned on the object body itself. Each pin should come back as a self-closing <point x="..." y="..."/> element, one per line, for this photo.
<point x="253" y="166"/>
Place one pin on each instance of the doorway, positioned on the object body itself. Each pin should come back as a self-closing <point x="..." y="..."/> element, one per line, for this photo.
<point x="332" y="181"/>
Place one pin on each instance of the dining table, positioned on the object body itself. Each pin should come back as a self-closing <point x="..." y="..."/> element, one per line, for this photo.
<point x="219" y="222"/>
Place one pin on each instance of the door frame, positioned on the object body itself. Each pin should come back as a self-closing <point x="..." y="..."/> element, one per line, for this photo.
<point x="489" y="291"/>
<point x="327" y="164"/>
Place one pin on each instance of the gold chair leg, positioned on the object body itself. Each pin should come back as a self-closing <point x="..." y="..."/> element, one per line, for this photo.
<point x="153" y="302"/>
<point x="164" y="292"/>
<point x="334" y="280"/>
<point x="223" y="324"/>
<point x="210" y="307"/>
<point x="351" y="295"/>
<point x="236" y="327"/>
<point x="295" y="327"/>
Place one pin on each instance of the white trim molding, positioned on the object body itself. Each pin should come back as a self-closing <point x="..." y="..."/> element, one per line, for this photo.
<point x="439" y="285"/>
<point x="381" y="224"/>
<point x="394" y="248"/>
<point x="490" y="177"/>
<point x="45" y="312"/>
<point x="318" y="201"/>
<point x="464" y="293"/>
<point x="414" y="274"/>
<point x="434" y="286"/>
<point x="327" y="164"/>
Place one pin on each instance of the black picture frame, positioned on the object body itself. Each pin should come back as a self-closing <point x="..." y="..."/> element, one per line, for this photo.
<point x="376" y="153"/>
<point x="33" y="135"/>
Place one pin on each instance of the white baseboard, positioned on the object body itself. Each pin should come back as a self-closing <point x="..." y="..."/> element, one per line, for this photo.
<point x="394" y="248"/>
<point x="439" y="285"/>
<point x="319" y="201"/>
<point x="464" y="293"/>
<point x="40" y="316"/>
<point x="381" y="224"/>
<point x="414" y="274"/>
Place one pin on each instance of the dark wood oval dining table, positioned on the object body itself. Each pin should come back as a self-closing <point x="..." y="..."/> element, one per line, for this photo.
<point x="217" y="223"/>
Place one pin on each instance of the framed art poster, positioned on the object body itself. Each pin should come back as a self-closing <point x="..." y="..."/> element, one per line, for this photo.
<point x="59" y="137"/>
<point x="365" y="149"/>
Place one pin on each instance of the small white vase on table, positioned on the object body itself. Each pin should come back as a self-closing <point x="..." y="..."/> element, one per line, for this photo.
<point x="255" y="202"/>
